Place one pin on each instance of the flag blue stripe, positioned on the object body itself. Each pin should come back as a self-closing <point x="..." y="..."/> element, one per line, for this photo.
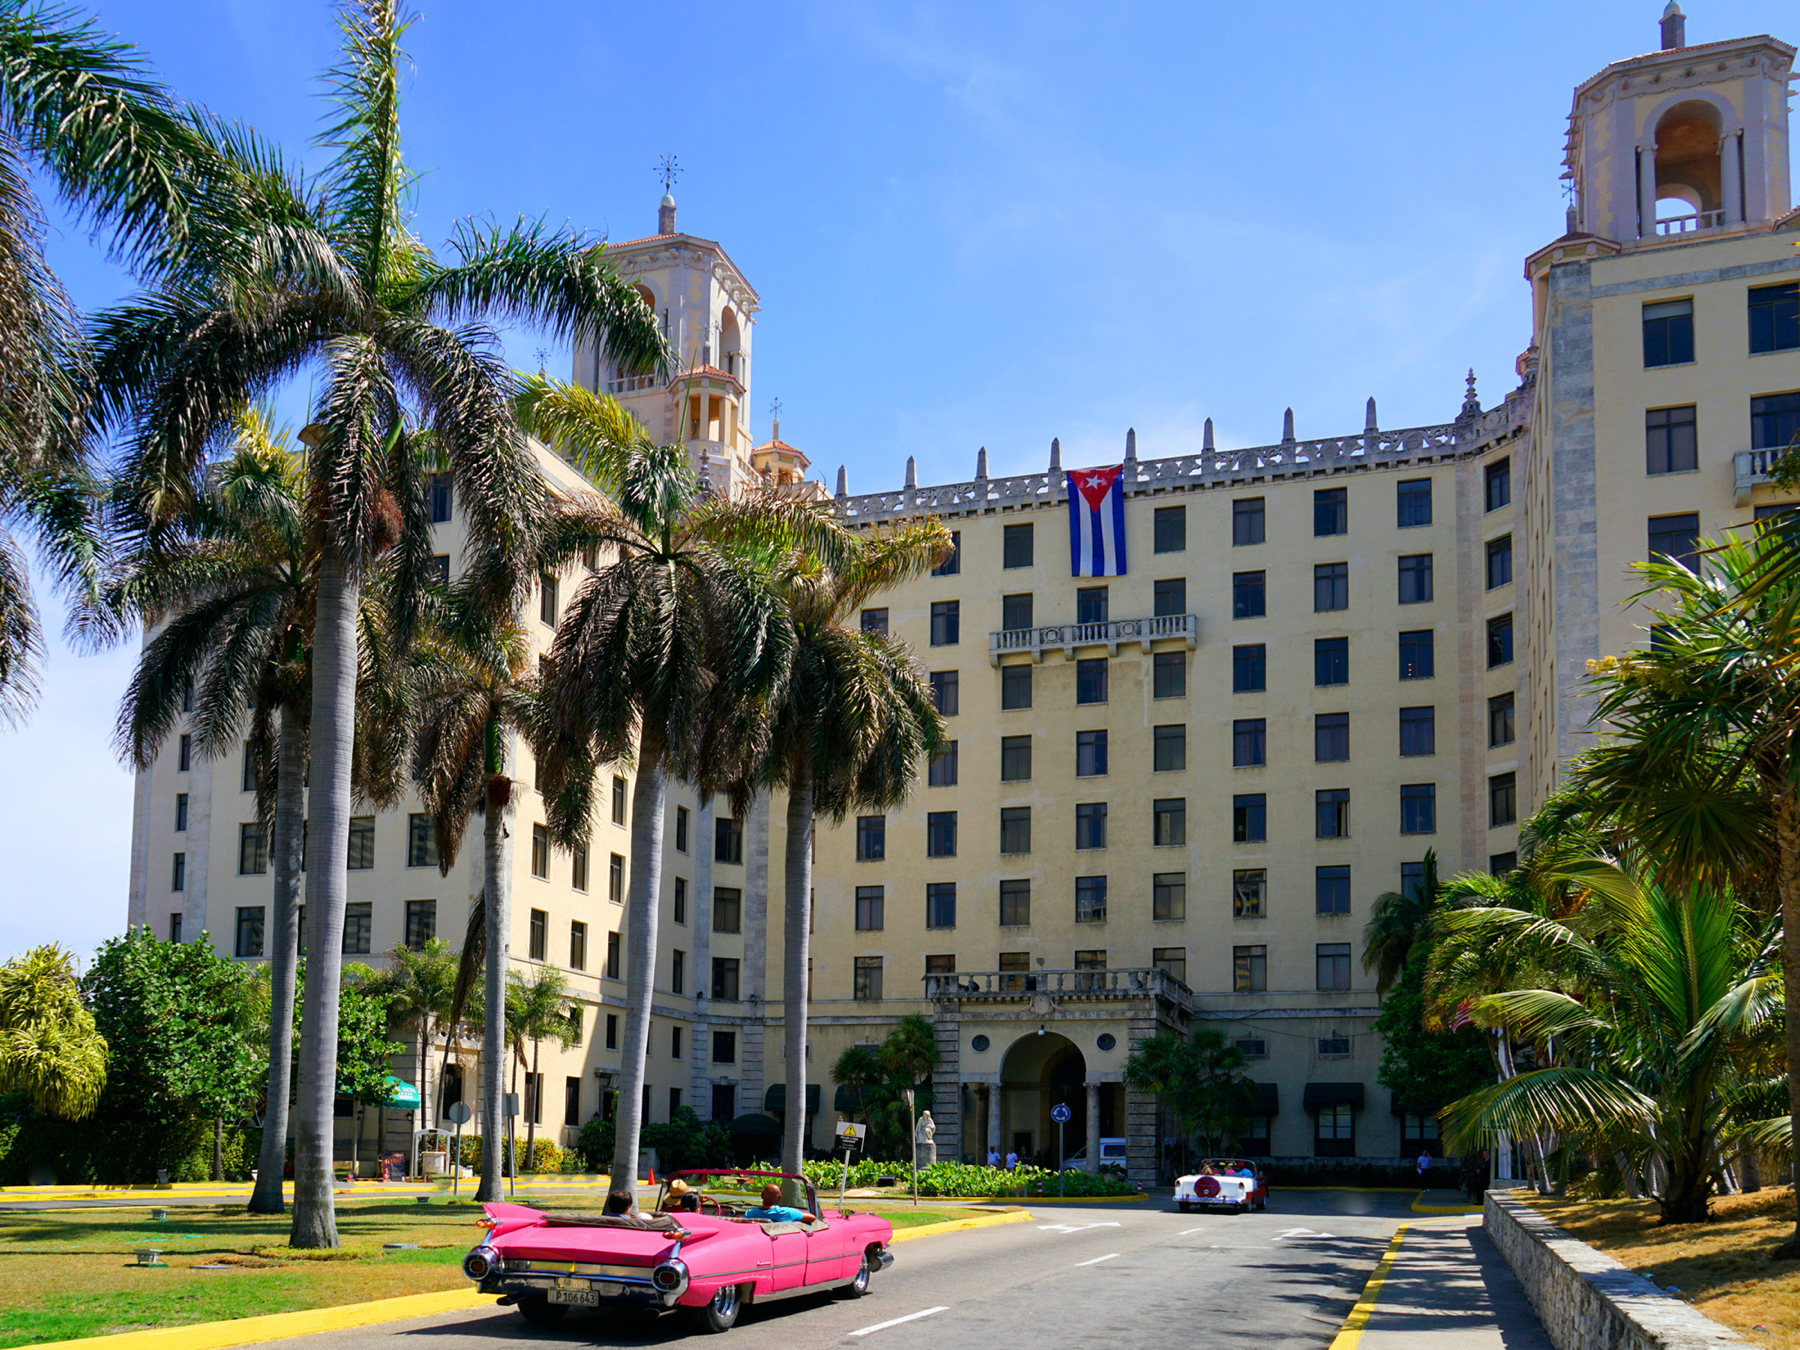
<point x="1076" y="506"/>
<point x="1098" y="560"/>
<point x="1117" y="493"/>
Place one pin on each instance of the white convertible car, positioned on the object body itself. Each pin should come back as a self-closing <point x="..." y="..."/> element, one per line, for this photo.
<point x="1223" y="1183"/>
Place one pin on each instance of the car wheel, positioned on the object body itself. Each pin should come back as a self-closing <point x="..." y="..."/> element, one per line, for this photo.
<point x="540" y="1311"/>
<point x="1184" y="1206"/>
<point x="860" y="1285"/>
<point x="720" y="1312"/>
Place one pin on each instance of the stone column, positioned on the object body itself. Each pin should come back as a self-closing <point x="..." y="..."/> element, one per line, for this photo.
<point x="993" y="1123"/>
<point x="751" y="1069"/>
<point x="1093" y="1129"/>
<point x="946" y="1079"/>
<point x="1730" y="180"/>
<point x="700" y="840"/>
<point x="1646" y="192"/>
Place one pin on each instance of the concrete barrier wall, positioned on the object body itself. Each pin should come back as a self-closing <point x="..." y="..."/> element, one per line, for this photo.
<point x="1585" y="1299"/>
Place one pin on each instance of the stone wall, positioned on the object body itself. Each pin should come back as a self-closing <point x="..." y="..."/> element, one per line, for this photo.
<point x="1585" y="1299"/>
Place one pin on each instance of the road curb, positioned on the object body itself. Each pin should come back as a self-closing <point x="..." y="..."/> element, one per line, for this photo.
<point x="279" y="1326"/>
<point x="1352" y="1331"/>
<point x="952" y="1225"/>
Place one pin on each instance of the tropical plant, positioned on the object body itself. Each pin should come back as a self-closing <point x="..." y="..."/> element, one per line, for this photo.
<point x="684" y="1140"/>
<point x="50" y="1049"/>
<point x="1198" y="1079"/>
<point x="418" y="988"/>
<point x="537" y="1010"/>
<point x="1397" y="920"/>
<point x="328" y="274"/>
<point x="877" y="1079"/>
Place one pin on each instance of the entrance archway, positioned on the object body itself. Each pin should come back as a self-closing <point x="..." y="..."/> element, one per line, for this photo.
<point x="1042" y="1070"/>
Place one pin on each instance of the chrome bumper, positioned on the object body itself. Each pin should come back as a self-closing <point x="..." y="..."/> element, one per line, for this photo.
<point x="883" y="1259"/>
<point x="610" y="1288"/>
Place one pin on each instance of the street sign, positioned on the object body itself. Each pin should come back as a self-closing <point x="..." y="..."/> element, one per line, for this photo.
<point x="850" y="1134"/>
<point x="512" y="1104"/>
<point x="457" y="1113"/>
<point x="1061" y="1114"/>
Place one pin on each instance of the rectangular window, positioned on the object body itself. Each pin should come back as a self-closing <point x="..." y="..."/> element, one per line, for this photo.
<point x="1671" y="440"/>
<point x="578" y="866"/>
<point x="940" y="904"/>
<point x="1333" y="960"/>
<point x="1503" y="799"/>
<point x="1331" y="587"/>
<point x="1090" y="825"/>
<point x="540" y="933"/>
<point x="1090" y="754"/>
<point x="421" y="841"/>
<point x="615" y="878"/>
<point x="572" y="1086"/>
<point x="578" y="945"/>
<point x="1168" y="749"/>
<point x="946" y="623"/>
<point x="1249" y="893"/>
<point x="1168" y="896"/>
<point x="1331" y="661"/>
<point x="1774" y="421"/>
<point x="1172" y="961"/>
<point x="942" y="770"/>
<point x="1331" y="511"/>
<point x="674" y="1053"/>
<point x="1412" y="879"/>
<point x="1015" y="612"/>
<point x="1246" y="521"/>
<point x="871" y="838"/>
<point x="618" y="800"/>
<point x="1417" y="659"/>
<point x="1774" y="318"/>
<point x="1249" y="742"/>
<point x="1252" y="1047"/>
<point x="181" y="811"/>
<point x="868" y="979"/>
<point x="547" y="599"/>
<point x="1015" y="904"/>
<point x="249" y="931"/>
<point x="253" y="849"/>
<point x="1015" y="687"/>
<point x="1497" y="484"/>
<point x="1333" y="1047"/>
<point x="681" y="900"/>
<point x="421" y="923"/>
<point x="951" y="565"/>
<point x="187" y="694"/>
<point x="248" y="781"/>
<point x="1168" y="820"/>
<point x="1015" y="829"/>
<point x="677" y="971"/>
<point x="1675" y="538"/>
<point x="1331" y="890"/>
<point x="540" y="851"/>
<point x="1418" y="808"/>
<point x="1331" y="737"/>
<point x="1249" y="669"/>
<point x="940" y="834"/>
<point x="1092" y="604"/>
<point x="178" y="872"/>
<point x="439" y="486"/>
<point x="1090" y="680"/>
<point x="724" y="1047"/>
<point x="1015" y="759"/>
<point x="184" y="758"/>
<point x="1250" y="969"/>
<point x="1168" y="675"/>
<point x="612" y="1031"/>
<point x="358" y="921"/>
<point x="871" y="909"/>
<point x="1092" y="960"/>
<point x="1412" y="500"/>
<point x="1499" y="640"/>
<point x="1171" y="597"/>
<point x="875" y="621"/>
<point x="440" y="570"/>
<point x="362" y="843"/>
<point x="1500" y="719"/>
<point x="1017" y="546"/>
<point x="1090" y="899"/>
<point x="614" y="956"/>
<point x="1415" y="579"/>
<point x="1171" y="529"/>
<point x="727" y="909"/>
<point x="1248" y="595"/>
<point x="724" y="1098"/>
<point x="946" y="692"/>
<point x="1249" y="817"/>
<point x="1499" y="562"/>
<point x="728" y="841"/>
<point x="1502" y="863"/>
<point x="681" y="829"/>
<point x="1331" y="813"/>
<point x="725" y="979"/>
<point x="1418" y="731"/>
<point x="1668" y="333"/>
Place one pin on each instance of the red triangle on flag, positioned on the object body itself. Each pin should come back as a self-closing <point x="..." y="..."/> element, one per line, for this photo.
<point x="1094" y="484"/>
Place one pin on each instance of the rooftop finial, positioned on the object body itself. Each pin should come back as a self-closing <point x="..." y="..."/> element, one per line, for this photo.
<point x="1130" y="444"/>
<point x="1287" y="427"/>
<point x="912" y="472"/>
<point x="1471" y="401"/>
<point x="843" y="482"/>
<point x="1055" y="455"/>
<point x="1369" y="427"/>
<point x="1674" y="26"/>
<point x="1206" y="435"/>
<point x="775" y="419"/>
<point x="668" y="171"/>
<point x="981" y="462"/>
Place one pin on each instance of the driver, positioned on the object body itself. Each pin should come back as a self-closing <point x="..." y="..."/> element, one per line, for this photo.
<point x="772" y="1211"/>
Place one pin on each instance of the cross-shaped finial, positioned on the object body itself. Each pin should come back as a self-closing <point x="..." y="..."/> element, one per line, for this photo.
<point x="670" y="171"/>
<point x="775" y="408"/>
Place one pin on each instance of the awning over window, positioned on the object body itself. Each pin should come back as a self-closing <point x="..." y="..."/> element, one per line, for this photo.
<point x="1332" y="1094"/>
<point x="847" y="1101"/>
<point x="402" y="1095"/>
<point x="1419" y="1107"/>
<point x="775" y="1099"/>
<point x="756" y="1123"/>
<point x="1266" y="1101"/>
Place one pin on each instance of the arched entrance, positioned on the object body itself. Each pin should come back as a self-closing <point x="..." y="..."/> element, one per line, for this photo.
<point x="1040" y="1071"/>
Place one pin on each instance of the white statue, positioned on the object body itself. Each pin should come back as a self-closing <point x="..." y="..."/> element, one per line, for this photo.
<point x="925" y="1139"/>
<point x="927" y="1128"/>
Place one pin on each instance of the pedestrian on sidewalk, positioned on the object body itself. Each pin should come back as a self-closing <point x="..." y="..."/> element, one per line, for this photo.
<point x="1012" y="1159"/>
<point x="1424" y="1167"/>
<point x="993" y="1157"/>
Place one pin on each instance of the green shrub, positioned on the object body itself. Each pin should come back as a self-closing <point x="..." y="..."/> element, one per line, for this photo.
<point x="687" y="1141"/>
<point x="595" y="1145"/>
<point x="1080" y="1183"/>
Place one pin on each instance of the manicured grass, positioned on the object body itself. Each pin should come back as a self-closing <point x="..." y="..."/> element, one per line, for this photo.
<point x="71" y="1273"/>
<point x="1722" y="1267"/>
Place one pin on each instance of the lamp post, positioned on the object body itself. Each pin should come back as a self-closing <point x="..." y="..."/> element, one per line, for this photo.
<point x="913" y="1122"/>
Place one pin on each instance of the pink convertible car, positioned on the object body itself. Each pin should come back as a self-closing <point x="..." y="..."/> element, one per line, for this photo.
<point x="696" y="1251"/>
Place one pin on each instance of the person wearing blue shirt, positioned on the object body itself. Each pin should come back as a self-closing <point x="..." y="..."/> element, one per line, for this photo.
<point x="772" y="1211"/>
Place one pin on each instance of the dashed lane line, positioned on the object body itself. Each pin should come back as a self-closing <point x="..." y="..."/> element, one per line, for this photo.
<point x="896" y="1321"/>
<point x="1098" y="1259"/>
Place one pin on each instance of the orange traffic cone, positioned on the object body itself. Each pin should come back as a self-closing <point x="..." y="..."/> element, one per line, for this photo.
<point x="653" y="1176"/>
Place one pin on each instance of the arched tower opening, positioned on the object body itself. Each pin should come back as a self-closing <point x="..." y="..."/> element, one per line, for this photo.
<point x="1690" y="191"/>
<point x="1041" y="1071"/>
<point x="731" y="343"/>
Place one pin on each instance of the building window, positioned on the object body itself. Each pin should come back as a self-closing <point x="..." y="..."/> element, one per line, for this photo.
<point x="1249" y="742"/>
<point x="1333" y="959"/>
<point x="1503" y="799"/>
<point x="578" y="866"/>
<point x="578" y="946"/>
<point x="439" y="487"/>
<point x="942" y="770"/>
<point x="871" y="904"/>
<point x="1252" y="1047"/>
<point x="875" y="621"/>
<point x="421" y="841"/>
<point x="1416" y="655"/>
<point x="1090" y="680"/>
<point x="615" y="952"/>
<point x="181" y="812"/>
<point x="1331" y="813"/>
<point x="1249" y="893"/>
<point x="1090" y="754"/>
<point x="572" y="1085"/>
<point x="677" y="970"/>
<point x="1668" y="333"/>
<point x="618" y="800"/>
<point x="1412" y="879"/>
<point x="674" y="1053"/>
<point x="1418" y="808"/>
<point x="1774" y="318"/>
<point x="249" y="931"/>
<point x="946" y="623"/>
<point x="1248" y="595"/>
<point x="178" y="873"/>
<point x="1671" y="440"/>
<point x="1090" y="899"/>
<point x="187" y="693"/>
<point x="727" y="909"/>
<point x="1675" y="538"/>
<point x="946" y="692"/>
<point x="1249" y="817"/>
<point x="547" y="599"/>
<point x="681" y="900"/>
<point x="1500" y="719"/>
<point x="1499" y="562"/>
<point x="1168" y="896"/>
<point x="1331" y="587"/>
<point x="1171" y="597"/>
<point x="540" y="933"/>
<point x="1250" y="969"/>
<point x="1246" y="521"/>
<point x="868" y="978"/>
<point x="1331" y="511"/>
<point x="1418" y="731"/>
<point x="1168" y="821"/>
<point x="940" y="904"/>
<point x="1015" y="829"/>
<point x="728" y="841"/>
<point x="421" y="923"/>
<point x="1249" y="669"/>
<point x="1774" y="421"/>
<point x="1172" y="961"/>
<point x="1171" y="529"/>
<point x="871" y="838"/>
<point x="1415" y="579"/>
<point x="1499" y="640"/>
<point x="1497" y="484"/>
<point x="951" y="565"/>
<point x="1015" y="904"/>
<point x="1017" y="546"/>
<point x="1015" y="687"/>
<point x="440" y="570"/>
<point x="1092" y="604"/>
<point x="1331" y="737"/>
<point x="1412" y="499"/>
<point x="540" y="851"/>
<point x="725" y="979"/>
<point x="724" y="1047"/>
<point x="1090" y="825"/>
<point x="362" y="843"/>
<point x="184" y="758"/>
<point x="1168" y="749"/>
<point x="940" y="834"/>
<point x="615" y="878"/>
<point x="1168" y="675"/>
<point x="358" y="921"/>
<point x="612" y="1031"/>
<point x="174" y="928"/>
<point x="1015" y="612"/>
<point x="253" y="849"/>
<point x="247" y="781"/>
<point x="1331" y="890"/>
<point x="1502" y="863"/>
<point x="681" y="829"/>
<point x="1015" y="759"/>
<point x="1091" y="960"/>
<point x="1334" y="1131"/>
<point x="1331" y="661"/>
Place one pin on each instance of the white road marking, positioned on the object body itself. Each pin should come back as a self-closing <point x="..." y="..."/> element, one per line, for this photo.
<point x="1076" y="1227"/>
<point x="896" y="1321"/>
<point x="1301" y="1233"/>
<point x="1097" y="1260"/>
<point x="1184" y="1232"/>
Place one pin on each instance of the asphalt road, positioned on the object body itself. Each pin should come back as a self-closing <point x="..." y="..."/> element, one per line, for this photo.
<point x="1104" y="1276"/>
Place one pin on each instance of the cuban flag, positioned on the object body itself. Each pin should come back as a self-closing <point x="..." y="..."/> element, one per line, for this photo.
<point x="1097" y="522"/>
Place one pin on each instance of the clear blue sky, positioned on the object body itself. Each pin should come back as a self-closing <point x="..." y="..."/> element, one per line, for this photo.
<point x="969" y="224"/>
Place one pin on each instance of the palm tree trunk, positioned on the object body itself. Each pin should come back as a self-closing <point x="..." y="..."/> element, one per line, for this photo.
<point x="284" y="955"/>
<point x="797" y="922"/>
<point x="1787" y="851"/>
<point x="649" y="796"/>
<point x="496" y="896"/>
<point x="334" y="722"/>
<point x="537" y="1105"/>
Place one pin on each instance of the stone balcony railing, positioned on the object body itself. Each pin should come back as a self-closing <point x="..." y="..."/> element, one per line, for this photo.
<point x="1013" y="986"/>
<point x="1067" y="637"/>
<point x="1752" y="467"/>
<point x="1699" y="220"/>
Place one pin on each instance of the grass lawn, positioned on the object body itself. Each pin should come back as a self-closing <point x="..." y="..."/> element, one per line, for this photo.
<point x="70" y="1273"/>
<point x="1722" y="1267"/>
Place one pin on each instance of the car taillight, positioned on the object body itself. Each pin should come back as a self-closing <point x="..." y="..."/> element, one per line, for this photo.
<point x="478" y="1263"/>
<point x="671" y="1277"/>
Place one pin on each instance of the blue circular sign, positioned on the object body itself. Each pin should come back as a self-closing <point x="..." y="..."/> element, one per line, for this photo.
<point x="1060" y="1114"/>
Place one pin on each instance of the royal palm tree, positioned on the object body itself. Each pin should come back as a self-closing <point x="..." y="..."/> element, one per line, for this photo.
<point x="328" y="276"/>
<point x="537" y="1010"/>
<point x="50" y="1049"/>
<point x="419" y="988"/>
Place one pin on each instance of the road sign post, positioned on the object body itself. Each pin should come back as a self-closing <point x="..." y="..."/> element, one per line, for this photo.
<point x="1060" y="1113"/>
<point x="458" y="1115"/>
<point x="512" y="1179"/>
<point x="849" y="1138"/>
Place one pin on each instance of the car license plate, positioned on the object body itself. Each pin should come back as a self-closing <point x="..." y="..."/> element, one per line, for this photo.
<point x="577" y="1298"/>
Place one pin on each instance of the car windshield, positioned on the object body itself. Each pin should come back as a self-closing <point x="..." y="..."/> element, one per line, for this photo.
<point x="731" y="1193"/>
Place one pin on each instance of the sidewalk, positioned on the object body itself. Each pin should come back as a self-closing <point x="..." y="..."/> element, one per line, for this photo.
<point x="1445" y="1287"/>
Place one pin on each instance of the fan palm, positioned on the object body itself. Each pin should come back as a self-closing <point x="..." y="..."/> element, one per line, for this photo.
<point x="328" y="275"/>
<point x="537" y="1010"/>
<point x="418" y="987"/>
<point x="1397" y="920"/>
<point x="50" y="1049"/>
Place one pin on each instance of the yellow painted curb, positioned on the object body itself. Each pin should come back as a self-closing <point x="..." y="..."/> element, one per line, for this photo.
<point x="1351" y="1332"/>
<point x="951" y="1225"/>
<point x="279" y="1326"/>
<point x="1417" y="1208"/>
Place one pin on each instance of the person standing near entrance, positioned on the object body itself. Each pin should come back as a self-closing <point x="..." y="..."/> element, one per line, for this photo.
<point x="993" y="1157"/>
<point x="1424" y="1167"/>
<point x="1012" y="1159"/>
